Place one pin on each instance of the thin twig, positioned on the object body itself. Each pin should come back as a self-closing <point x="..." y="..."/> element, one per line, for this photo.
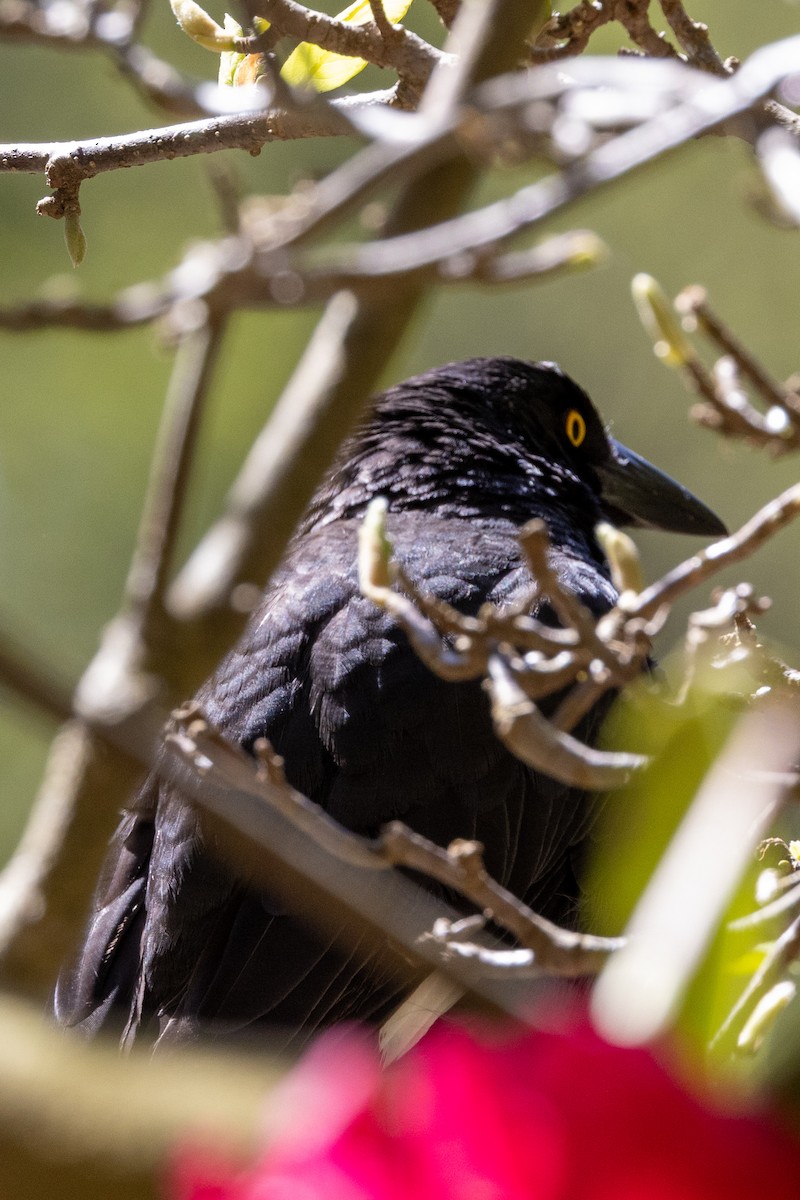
<point x="557" y="951"/>
<point x="776" y="908"/>
<point x="82" y="160"/>
<point x="535" y="740"/>
<point x="784" y="951"/>
<point x="706" y="563"/>
<point x="410" y="55"/>
<point x="166" y="493"/>
<point x="636" y="22"/>
<point x="567" y="34"/>
<point x="693" y="38"/>
<point x="693" y="304"/>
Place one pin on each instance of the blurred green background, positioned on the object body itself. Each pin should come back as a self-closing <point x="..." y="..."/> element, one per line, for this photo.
<point x="78" y="414"/>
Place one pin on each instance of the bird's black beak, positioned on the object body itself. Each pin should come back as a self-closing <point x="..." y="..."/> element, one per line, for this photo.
<point x="634" y="492"/>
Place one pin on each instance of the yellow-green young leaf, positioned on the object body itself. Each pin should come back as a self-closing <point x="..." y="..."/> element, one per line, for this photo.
<point x="200" y="27"/>
<point x="323" y="69"/>
<point x="670" y="343"/>
<point x="239" y="70"/>
<point x="230" y="59"/>
<point x="74" y="237"/>
<point x="748" y="963"/>
<point x="623" y="558"/>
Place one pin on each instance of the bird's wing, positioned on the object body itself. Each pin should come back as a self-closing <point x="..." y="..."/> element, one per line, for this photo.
<point x="368" y="733"/>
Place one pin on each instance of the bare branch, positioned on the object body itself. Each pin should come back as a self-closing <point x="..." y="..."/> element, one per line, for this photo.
<point x="411" y="56"/>
<point x="567" y="34"/>
<point x="701" y="566"/>
<point x="45" y="887"/>
<point x="733" y="415"/>
<point x="785" y="903"/>
<point x="693" y="39"/>
<point x="166" y="494"/>
<point x="78" y="161"/>
<point x="556" y="951"/>
<point x="447" y="11"/>
<point x="292" y="846"/>
<point x="539" y="743"/>
<point x="636" y="21"/>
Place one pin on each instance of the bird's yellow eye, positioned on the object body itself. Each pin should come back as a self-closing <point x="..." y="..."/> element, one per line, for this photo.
<point x="575" y="427"/>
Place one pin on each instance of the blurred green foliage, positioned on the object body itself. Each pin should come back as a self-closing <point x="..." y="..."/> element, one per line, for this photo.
<point x="639" y="822"/>
<point x="78" y="413"/>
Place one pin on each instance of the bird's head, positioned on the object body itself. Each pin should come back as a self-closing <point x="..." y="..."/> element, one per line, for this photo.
<point x="504" y="435"/>
<point x="556" y="417"/>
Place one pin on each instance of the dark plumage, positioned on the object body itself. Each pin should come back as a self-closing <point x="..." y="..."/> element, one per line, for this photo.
<point x="465" y="455"/>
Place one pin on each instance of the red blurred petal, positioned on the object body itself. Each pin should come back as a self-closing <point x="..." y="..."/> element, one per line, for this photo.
<point x="529" y="1116"/>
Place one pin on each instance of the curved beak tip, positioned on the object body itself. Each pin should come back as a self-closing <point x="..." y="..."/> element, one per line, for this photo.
<point x="639" y="494"/>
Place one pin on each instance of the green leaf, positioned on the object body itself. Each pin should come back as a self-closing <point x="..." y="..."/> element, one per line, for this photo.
<point x="74" y="237"/>
<point x="639" y="824"/>
<point x="325" y="70"/>
<point x="229" y="60"/>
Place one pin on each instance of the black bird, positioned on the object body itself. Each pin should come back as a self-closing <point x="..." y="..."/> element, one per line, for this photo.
<point x="465" y="455"/>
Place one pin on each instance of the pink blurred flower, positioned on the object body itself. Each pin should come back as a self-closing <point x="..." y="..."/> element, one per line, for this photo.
<point x="533" y="1116"/>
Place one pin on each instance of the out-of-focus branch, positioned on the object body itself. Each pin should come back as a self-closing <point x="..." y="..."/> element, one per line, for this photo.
<point x="205" y="276"/>
<point x="84" y="1102"/>
<point x="68" y="164"/>
<point x="708" y="109"/>
<point x="191" y="376"/>
<point x="273" y="266"/>
<point x="131" y="308"/>
<point x="98" y="757"/>
<point x="782" y="953"/>
<point x="45" y="886"/>
<point x="111" y="32"/>
<point x="789" y="899"/>
<point x="82" y="27"/>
